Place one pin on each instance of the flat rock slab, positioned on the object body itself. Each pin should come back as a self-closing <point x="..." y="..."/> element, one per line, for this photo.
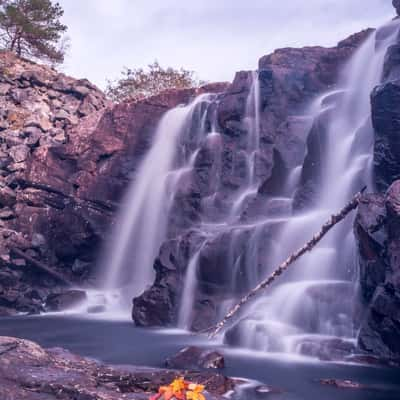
<point x="27" y="371"/>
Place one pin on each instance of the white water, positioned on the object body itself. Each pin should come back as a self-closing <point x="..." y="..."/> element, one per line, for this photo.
<point x="142" y="223"/>
<point x="346" y="166"/>
<point x="306" y="303"/>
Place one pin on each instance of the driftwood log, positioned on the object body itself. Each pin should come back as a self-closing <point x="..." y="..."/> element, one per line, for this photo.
<point x="43" y="268"/>
<point x="334" y="219"/>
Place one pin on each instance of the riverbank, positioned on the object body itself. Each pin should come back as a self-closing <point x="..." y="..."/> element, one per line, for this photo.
<point x="280" y="376"/>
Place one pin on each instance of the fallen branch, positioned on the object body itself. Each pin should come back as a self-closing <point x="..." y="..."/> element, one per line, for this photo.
<point x="94" y="204"/>
<point x="336" y="218"/>
<point x="42" y="267"/>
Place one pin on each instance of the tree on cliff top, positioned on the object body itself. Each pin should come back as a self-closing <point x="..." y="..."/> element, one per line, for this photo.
<point x="136" y="84"/>
<point x="32" y="29"/>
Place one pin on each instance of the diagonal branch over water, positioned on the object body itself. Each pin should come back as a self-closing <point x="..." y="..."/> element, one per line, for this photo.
<point x="334" y="219"/>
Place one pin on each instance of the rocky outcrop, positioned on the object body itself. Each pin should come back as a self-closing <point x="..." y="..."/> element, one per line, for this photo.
<point x="377" y="229"/>
<point x="27" y="371"/>
<point x="40" y="110"/>
<point x="66" y="155"/>
<point x="289" y="79"/>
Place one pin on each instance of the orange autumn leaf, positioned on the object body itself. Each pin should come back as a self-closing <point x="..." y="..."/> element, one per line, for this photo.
<point x="178" y="385"/>
<point x="194" y="396"/>
<point x="195" y="392"/>
<point x="179" y="389"/>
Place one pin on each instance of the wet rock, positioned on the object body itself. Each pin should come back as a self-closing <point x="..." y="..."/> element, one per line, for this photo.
<point x="65" y="300"/>
<point x="378" y="230"/>
<point x="153" y="308"/>
<point x="396" y="5"/>
<point x="334" y="349"/>
<point x="385" y="118"/>
<point x="26" y="369"/>
<point x="343" y="384"/>
<point x="196" y="358"/>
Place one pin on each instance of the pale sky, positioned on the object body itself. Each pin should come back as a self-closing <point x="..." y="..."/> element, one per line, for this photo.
<point x="214" y="38"/>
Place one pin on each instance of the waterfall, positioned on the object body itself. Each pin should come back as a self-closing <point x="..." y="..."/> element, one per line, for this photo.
<point x="314" y="301"/>
<point x="142" y="222"/>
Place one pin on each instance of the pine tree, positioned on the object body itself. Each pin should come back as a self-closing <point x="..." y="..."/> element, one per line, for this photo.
<point x="32" y="29"/>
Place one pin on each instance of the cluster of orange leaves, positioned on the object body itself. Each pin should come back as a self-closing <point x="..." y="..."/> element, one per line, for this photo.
<point x="180" y="389"/>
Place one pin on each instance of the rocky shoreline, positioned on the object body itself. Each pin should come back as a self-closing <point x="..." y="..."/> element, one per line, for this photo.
<point x="27" y="371"/>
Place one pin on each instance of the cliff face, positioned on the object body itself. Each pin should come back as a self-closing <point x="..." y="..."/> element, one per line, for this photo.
<point x="289" y="79"/>
<point x="40" y="110"/>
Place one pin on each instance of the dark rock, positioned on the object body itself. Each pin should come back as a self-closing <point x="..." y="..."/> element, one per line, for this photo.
<point x="65" y="300"/>
<point x="6" y="214"/>
<point x="27" y="371"/>
<point x="378" y="232"/>
<point x="153" y="308"/>
<point x="343" y="384"/>
<point x="327" y="350"/>
<point x="396" y="5"/>
<point x="385" y="118"/>
<point x="193" y="358"/>
<point x="8" y="197"/>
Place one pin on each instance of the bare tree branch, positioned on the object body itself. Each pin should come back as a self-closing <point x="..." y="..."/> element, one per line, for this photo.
<point x="336" y="218"/>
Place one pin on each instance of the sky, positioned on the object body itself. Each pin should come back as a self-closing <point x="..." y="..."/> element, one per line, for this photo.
<point x="214" y="38"/>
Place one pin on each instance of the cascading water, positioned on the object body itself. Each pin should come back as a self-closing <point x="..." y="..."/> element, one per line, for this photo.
<point x="313" y="301"/>
<point x="142" y="223"/>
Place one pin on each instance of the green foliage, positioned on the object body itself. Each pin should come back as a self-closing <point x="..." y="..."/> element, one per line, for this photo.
<point x="32" y="29"/>
<point x="136" y="84"/>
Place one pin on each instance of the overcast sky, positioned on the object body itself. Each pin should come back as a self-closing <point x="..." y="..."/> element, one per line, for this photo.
<point x="215" y="38"/>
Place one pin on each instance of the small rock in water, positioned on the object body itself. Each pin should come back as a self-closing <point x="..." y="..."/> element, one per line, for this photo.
<point x="194" y="358"/>
<point x="343" y="384"/>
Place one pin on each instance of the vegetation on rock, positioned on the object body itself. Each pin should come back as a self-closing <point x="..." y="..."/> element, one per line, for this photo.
<point x="32" y="29"/>
<point x="137" y="84"/>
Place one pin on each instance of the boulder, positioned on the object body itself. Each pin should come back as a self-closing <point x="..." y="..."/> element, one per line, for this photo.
<point x="193" y="358"/>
